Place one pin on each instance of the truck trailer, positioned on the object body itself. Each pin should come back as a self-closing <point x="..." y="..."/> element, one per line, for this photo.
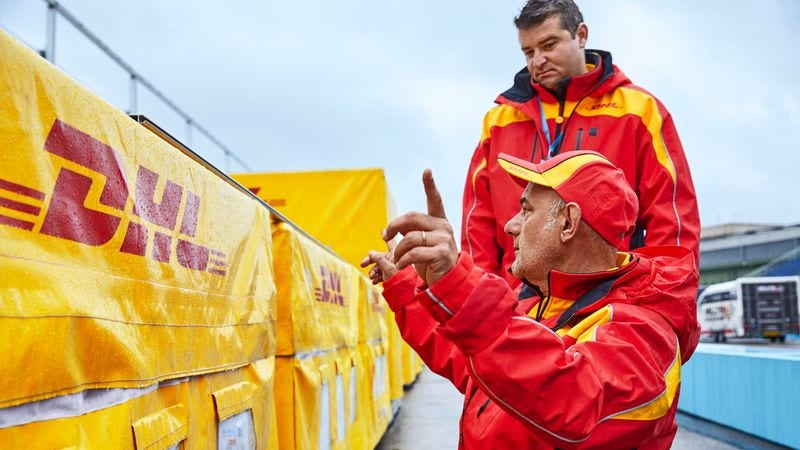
<point x="763" y="307"/>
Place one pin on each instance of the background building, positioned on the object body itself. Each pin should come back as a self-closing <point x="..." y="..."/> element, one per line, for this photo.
<point x="735" y="250"/>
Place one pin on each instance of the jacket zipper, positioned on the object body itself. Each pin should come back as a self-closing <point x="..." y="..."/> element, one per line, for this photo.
<point x="535" y="143"/>
<point x="574" y="110"/>
<point x="559" y="121"/>
<point x="580" y="134"/>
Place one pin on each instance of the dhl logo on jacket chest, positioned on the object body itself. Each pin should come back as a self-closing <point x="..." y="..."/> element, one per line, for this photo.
<point x="608" y="124"/>
<point x="609" y="105"/>
<point x="76" y="214"/>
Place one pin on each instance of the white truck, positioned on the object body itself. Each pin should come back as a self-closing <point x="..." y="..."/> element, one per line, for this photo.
<point x="764" y="307"/>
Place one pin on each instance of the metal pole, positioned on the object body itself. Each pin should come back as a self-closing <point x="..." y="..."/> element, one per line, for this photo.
<point x="50" y="45"/>
<point x="134" y="104"/>
<point x="136" y="79"/>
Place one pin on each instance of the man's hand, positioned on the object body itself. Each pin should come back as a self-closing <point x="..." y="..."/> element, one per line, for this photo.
<point x="428" y="241"/>
<point x="384" y="267"/>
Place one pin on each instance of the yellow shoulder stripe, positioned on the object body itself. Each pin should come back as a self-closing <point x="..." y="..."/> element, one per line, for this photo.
<point x="477" y="170"/>
<point x="624" y="101"/>
<point x="658" y="407"/>
<point x="585" y="331"/>
<point x="500" y="116"/>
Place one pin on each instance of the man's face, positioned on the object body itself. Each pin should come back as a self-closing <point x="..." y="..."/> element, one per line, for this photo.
<point x="536" y="235"/>
<point x="552" y="54"/>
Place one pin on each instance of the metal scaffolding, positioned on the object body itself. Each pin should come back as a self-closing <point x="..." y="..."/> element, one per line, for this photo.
<point x="136" y="79"/>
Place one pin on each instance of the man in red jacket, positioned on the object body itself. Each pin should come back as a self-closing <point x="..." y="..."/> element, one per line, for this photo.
<point x="593" y="360"/>
<point x="570" y="98"/>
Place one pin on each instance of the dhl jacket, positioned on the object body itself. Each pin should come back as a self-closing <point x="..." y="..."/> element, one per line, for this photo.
<point x="602" y="374"/>
<point x="601" y="111"/>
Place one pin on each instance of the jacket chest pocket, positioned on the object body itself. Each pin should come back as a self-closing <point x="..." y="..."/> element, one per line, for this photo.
<point x="585" y="137"/>
<point x="480" y="415"/>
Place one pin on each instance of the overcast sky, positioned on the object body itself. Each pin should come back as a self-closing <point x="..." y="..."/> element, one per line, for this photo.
<point x="404" y="85"/>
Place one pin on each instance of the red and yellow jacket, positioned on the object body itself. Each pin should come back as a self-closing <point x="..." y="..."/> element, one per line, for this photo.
<point x="607" y="378"/>
<point x="601" y="111"/>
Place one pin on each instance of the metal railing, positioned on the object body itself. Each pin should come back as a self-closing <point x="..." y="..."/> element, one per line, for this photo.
<point x="136" y="79"/>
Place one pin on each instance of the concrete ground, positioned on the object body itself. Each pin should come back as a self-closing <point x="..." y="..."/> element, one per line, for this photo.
<point x="428" y="420"/>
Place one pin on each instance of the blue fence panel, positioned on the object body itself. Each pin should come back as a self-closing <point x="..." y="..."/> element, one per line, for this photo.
<point x="755" y="390"/>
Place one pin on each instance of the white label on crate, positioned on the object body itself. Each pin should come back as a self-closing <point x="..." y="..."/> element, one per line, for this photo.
<point x="340" y="431"/>
<point x="324" y="419"/>
<point x="353" y="396"/>
<point x="237" y="432"/>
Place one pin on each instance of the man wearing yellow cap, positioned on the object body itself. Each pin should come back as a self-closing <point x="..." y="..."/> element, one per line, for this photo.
<point x="593" y="360"/>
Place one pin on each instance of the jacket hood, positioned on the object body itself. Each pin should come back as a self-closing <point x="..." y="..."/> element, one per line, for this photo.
<point x="665" y="281"/>
<point x="597" y="83"/>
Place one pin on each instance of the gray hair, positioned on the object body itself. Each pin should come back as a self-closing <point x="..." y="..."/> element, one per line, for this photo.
<point x="555" y="207"/>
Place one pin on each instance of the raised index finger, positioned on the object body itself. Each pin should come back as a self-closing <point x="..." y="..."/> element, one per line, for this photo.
<point x="435" y="205"/>
<point x="410" y="221"/>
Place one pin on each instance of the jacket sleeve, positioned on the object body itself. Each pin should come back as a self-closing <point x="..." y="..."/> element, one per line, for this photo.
<point x="421" y="332"/>
<point x="667" y="201"/>
<point x="478" y="222"/>
<point x="611" y="387"/>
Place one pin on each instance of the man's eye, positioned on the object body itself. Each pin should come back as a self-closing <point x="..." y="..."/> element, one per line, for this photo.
<point x="548" y="46"/>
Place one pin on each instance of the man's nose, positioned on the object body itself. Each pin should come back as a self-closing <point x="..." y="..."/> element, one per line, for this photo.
<point x="513" y="225"/>
<point x="539" y="59"/>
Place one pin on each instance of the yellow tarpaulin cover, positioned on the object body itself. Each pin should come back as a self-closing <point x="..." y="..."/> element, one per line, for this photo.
<point x="123" y="262"/>
<point x="317" y="401"/>
<point x="374" y="392"/>
<point x="372" y="325"/>
<point x="189" y="412"/>
<point x="318" y="295"/>
<point x="394" y="356"/>
<point x="344" y="209"/>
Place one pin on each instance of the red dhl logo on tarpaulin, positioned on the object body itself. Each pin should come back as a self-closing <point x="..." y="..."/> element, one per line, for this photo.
<point x="67" y="217"/>
<point x="331" y="289"/>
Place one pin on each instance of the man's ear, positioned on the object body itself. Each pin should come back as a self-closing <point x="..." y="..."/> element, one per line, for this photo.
<point x="582" y="33"/>
<point x="571" y="222"/>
